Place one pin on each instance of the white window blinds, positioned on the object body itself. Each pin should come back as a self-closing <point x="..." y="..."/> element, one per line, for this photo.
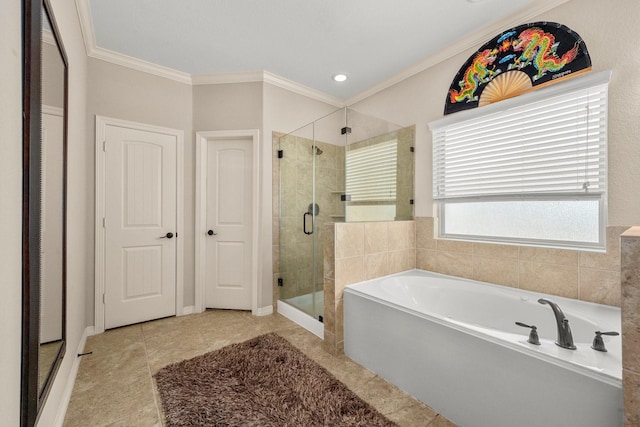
<point x="555" y="145"/>
<point x="372" y="172"/>
<point x="530" y="169"/>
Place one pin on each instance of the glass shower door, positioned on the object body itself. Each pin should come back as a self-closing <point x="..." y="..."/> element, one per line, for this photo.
<point x="298" y="212"/>
<point x="344" y="166"/>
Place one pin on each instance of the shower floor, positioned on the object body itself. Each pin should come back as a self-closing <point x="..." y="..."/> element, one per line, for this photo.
<point x="305" y="303"/>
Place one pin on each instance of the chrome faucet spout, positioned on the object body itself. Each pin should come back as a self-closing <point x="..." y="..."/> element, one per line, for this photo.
<point x="565" y="338"/>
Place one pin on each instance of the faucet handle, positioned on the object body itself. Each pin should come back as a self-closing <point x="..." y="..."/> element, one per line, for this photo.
<point x="598" y="342"/>
<point x="533" y="335"/>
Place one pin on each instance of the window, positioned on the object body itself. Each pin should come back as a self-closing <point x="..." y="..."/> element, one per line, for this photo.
<point x="528" y="170"/>
<point x="371" y="180"/>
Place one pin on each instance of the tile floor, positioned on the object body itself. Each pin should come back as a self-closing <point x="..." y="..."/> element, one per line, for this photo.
<point x="114" y="386"/>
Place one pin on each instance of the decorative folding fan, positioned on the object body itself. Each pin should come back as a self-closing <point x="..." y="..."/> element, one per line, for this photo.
<point x="506" y="85"/>
<point x="518" y="60"/>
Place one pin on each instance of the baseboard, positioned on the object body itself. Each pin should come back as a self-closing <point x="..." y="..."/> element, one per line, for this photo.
<point x="71" y="380"/>
<point x="188" y="310"/>
<point x="264" y="311"/>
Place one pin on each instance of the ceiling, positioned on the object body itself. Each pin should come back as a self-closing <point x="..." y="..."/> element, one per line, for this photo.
<point x="304" y="41"/>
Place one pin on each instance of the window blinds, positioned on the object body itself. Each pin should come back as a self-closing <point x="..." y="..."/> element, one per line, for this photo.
<point x="555" y="145"/>
<point x="372" y="172"/>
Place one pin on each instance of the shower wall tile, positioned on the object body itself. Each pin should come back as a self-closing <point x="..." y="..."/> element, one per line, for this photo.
<point x="339" y="320"/>
<point x="424" y="233"/>
<point x="362" y="251"/>
<point x="426" y="259"/>
<point x="276" y="289"/>
<point x="490" y="250"/>
<point x="349" y="240"/>
<point x="276" y="258"/>
<point x="330" y="342"/>
<point x="600" y="286"/>
<point x="275" y="231"/>
<point x="376" y="265"/>
<point x="500" y="271"/>
<point x="376" y="237"/>
<point x="329" y="251"/>
<point x="630" y="273"/>
<point x="402" y="260"/>
<point x="454" y="246"/>
<point x="553" y="279"/>
<point x="329" y="306"/>
<point x="455" y="263"/>
<point x="549" y="256"/>
<point x="596" y="274"/>
<point x="411" y="234"/>
<point x="348" y="272"/>
<point x="400" y="235"/>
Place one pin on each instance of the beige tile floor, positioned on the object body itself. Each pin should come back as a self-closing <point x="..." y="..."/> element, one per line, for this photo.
<point x="114" y="386"/>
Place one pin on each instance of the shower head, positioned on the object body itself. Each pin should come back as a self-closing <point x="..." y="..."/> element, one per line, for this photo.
<point x="318" y="151"/>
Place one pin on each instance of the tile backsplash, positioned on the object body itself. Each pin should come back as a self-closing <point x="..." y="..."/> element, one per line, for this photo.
<point x="587" y="276"/>
<point x="357" y="251"/>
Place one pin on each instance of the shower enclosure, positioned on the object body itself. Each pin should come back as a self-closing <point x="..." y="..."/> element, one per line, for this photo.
<point x="346" y="166"/>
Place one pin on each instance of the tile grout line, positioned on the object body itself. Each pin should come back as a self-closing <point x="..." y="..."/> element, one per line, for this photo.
<point x="153" y="391"/>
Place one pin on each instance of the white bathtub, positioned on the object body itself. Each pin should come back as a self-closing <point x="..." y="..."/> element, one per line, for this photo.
<point x="453" y="344"/>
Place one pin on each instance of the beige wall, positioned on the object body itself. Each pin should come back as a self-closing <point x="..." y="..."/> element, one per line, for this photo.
<point x="10" y="210"/>
<point x="227" y="106"/>
<point x="123" y="93"/>
<point x="609" y="31"/>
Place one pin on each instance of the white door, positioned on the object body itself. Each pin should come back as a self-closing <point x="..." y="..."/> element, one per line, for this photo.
<point x="140" y="225"/>
<point x="229" y="223"/>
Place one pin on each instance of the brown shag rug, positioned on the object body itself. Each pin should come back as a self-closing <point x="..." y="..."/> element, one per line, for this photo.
<point x="264" y="381"/>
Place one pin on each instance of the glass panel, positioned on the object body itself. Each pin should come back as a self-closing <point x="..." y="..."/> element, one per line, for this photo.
<point x="296" y="223"/>
<point x="367" y="133"/>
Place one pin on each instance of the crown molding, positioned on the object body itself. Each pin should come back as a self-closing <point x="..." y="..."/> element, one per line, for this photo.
<point x="140" y="65"/>
<point x="93" y="51"/>
<point x="223" y="78"/>
<point x="478" y="38"/>
<point x="86" y="25"/>
<point x="266" y="77"/>
<point x="303" y="90"/>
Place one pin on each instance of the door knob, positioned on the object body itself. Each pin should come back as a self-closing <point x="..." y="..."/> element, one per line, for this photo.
<point x="212" y="233"/>
<point x="167" y="236"/>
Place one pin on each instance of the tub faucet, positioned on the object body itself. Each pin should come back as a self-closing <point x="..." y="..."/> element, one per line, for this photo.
<point x="565" y="339"/>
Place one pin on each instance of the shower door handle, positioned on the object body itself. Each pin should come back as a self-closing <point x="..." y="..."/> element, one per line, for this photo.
<point x="304" y="223"/>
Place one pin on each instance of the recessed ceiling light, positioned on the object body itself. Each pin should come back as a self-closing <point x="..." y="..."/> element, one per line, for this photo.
<point x="339" y="77"/>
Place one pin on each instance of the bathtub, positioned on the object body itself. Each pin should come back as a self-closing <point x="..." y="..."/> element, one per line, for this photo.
<point x="453" y="344"/>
